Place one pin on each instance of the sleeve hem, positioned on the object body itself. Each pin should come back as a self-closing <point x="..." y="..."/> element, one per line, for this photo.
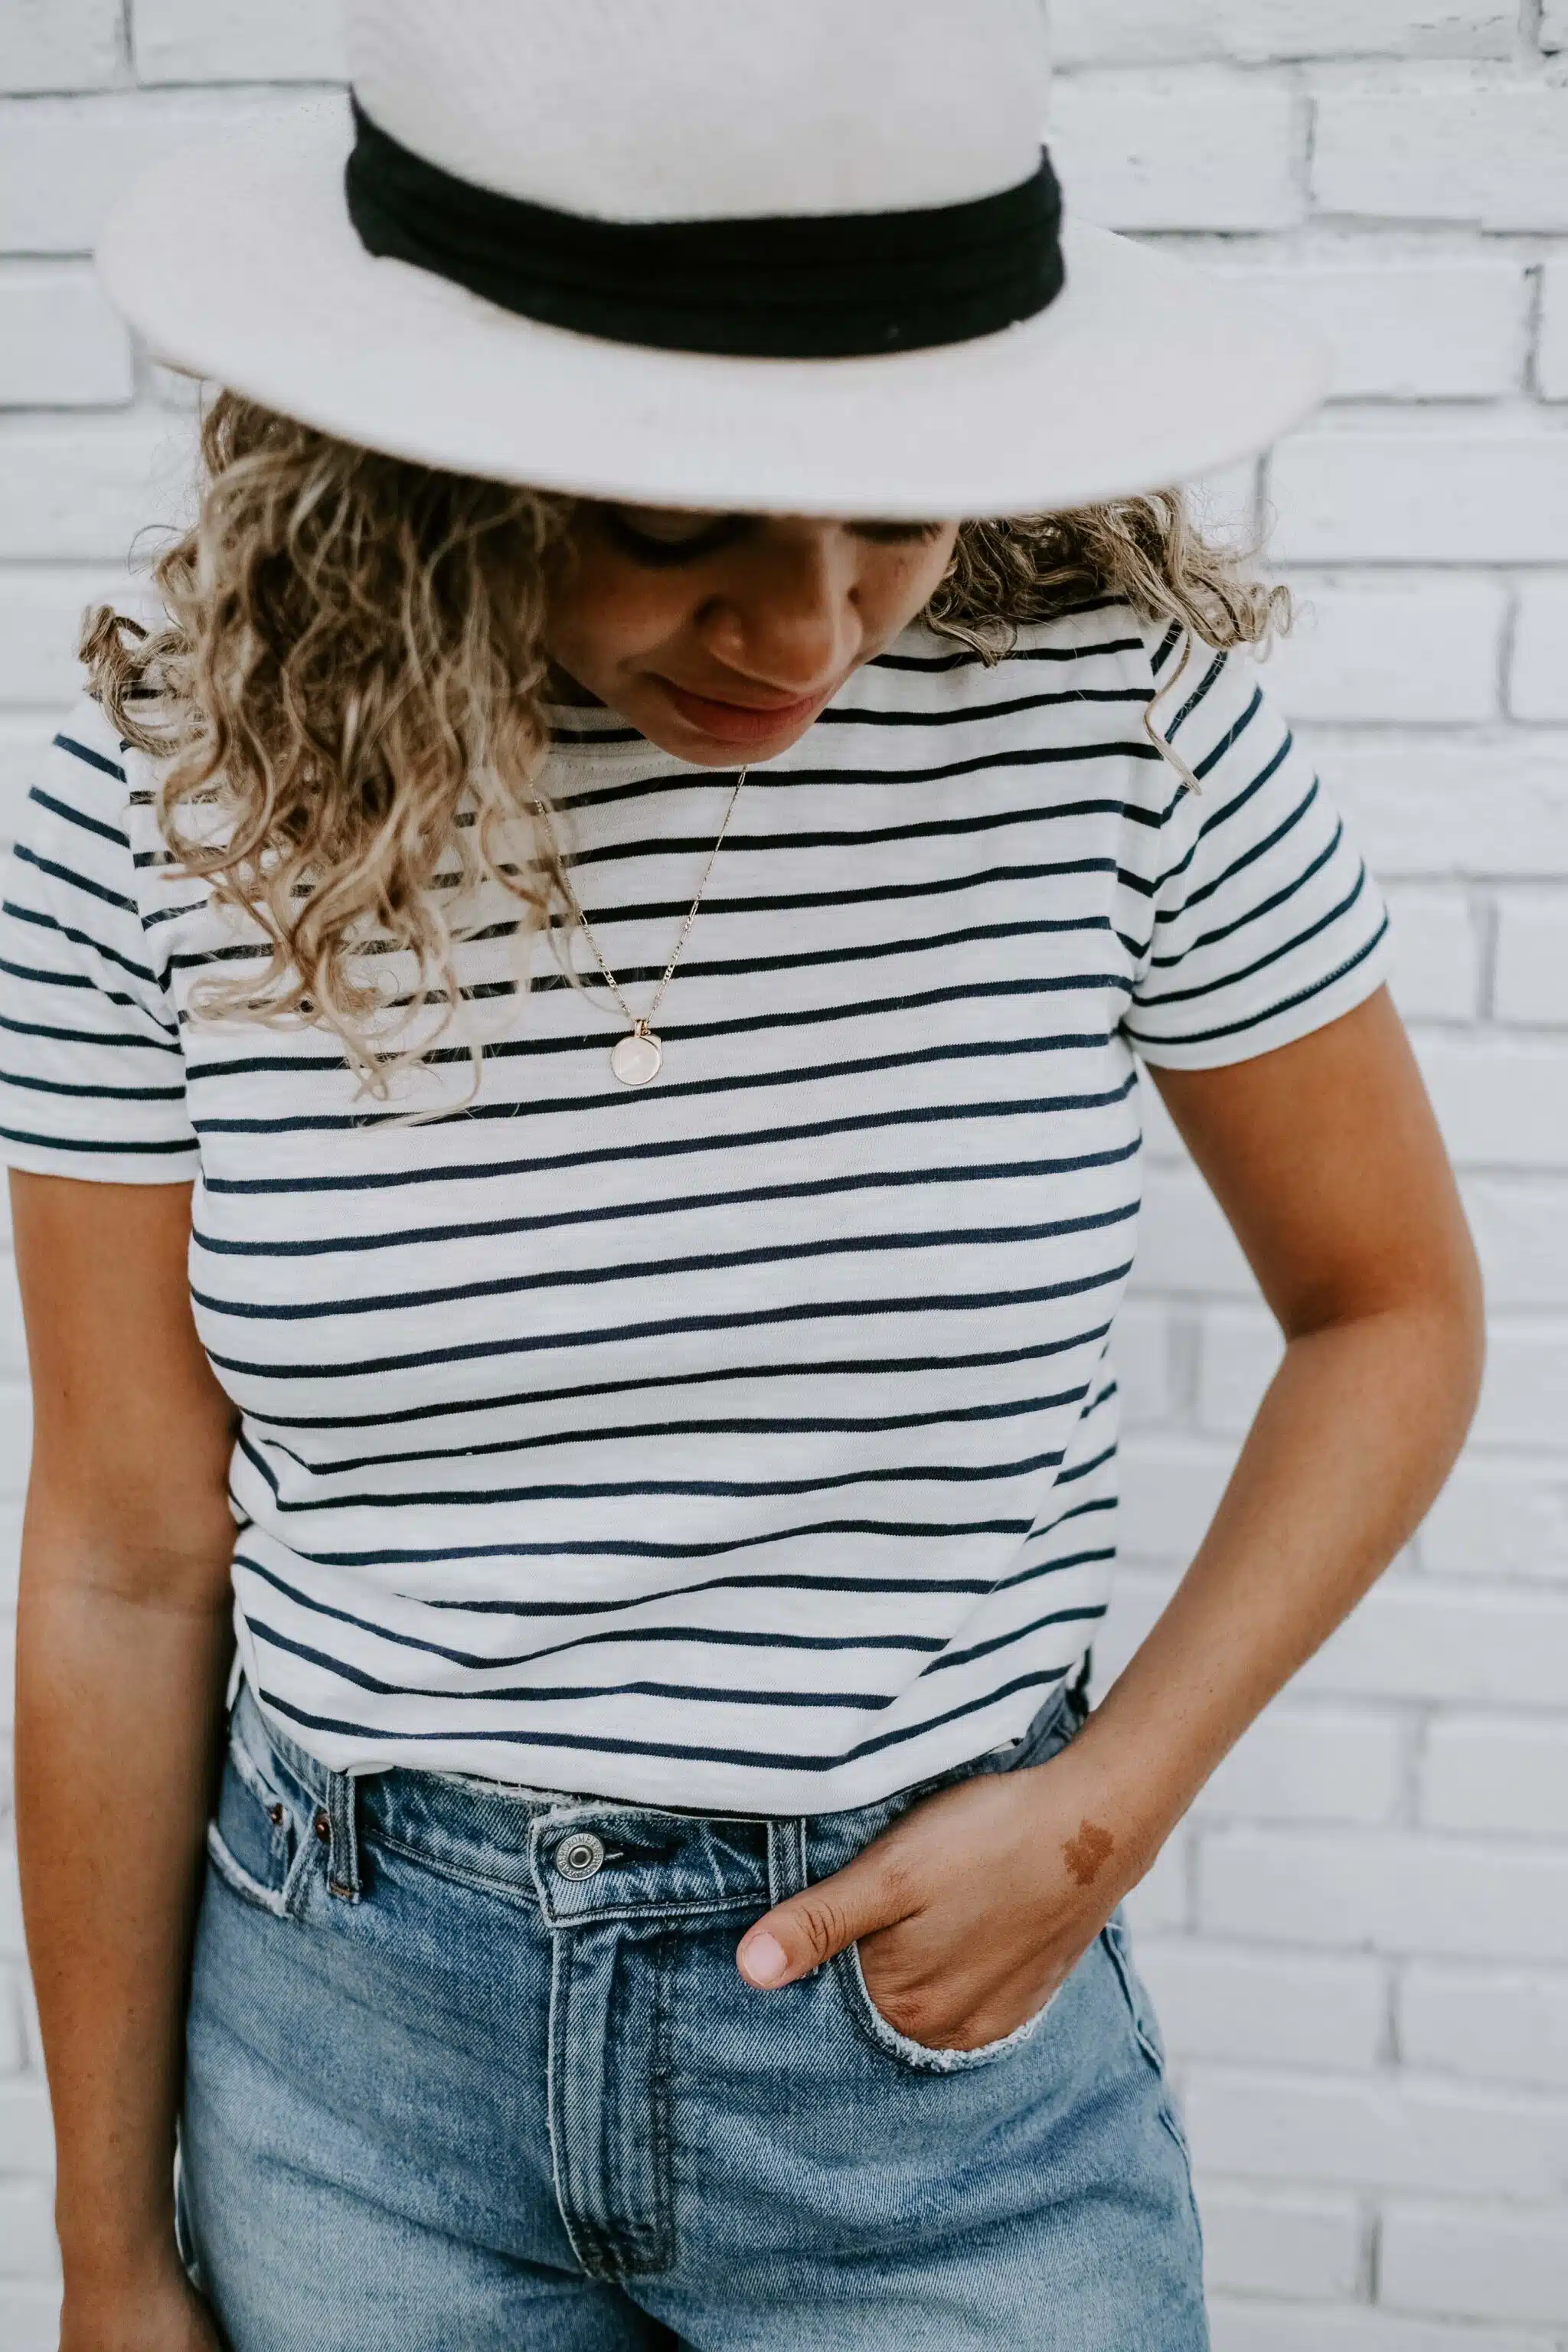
<point x="1324" y="1005"/>
<point x="29" y="1158"/>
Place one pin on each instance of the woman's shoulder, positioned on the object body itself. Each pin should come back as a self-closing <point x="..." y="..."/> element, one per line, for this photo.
<point x="90" y="788"/>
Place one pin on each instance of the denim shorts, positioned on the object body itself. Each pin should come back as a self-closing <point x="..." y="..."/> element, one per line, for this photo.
<point x="473" y="2068"/>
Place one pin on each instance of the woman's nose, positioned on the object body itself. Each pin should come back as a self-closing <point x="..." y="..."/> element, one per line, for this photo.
<point x="790" y="621"/>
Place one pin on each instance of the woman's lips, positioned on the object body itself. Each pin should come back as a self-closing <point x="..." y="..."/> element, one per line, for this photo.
<point x="738" y="722"/>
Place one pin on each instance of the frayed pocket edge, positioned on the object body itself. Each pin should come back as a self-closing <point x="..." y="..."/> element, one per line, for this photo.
<point x="266" y="1898"/>
<point x="919" y="2055"/>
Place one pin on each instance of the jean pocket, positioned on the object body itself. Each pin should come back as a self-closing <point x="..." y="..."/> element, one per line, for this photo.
<point x="254" y="1839"/>
<point x="919" y="2055"/>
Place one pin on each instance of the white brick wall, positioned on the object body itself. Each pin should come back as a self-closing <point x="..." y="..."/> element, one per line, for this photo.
<point x="1360" y="1941"/>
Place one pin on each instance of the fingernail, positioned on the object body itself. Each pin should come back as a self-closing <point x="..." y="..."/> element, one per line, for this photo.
<point x="763" y="1960"/>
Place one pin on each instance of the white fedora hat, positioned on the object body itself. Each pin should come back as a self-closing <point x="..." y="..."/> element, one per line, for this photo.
<point x="702" y="253"/>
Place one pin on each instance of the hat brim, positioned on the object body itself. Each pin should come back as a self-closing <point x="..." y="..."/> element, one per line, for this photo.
<point x="240" y="264"/>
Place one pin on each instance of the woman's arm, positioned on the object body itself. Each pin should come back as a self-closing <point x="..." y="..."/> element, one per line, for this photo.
<point x="123" y="1646"/>
<point x="1327" y="1161"/>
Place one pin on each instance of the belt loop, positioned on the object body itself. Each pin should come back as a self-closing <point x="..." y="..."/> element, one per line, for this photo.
<point x="343" y="1853"/>
<point x="786" y="1859"/>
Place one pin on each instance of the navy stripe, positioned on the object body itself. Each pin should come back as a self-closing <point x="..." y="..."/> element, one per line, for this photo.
<point x="989" y="1049"/>
<point x="678" y="1751"/>
<point x="579" y="1278"/>
<point x="679" y="1204"/>
<point x="669" y="1327"/>
<point x="94" y="759"/>
<point x="666" y="1146"/>
<point x="79" y="816"/>
<point x="828" y="1367"/>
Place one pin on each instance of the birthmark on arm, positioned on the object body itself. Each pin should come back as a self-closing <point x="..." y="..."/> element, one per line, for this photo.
<point x="1086" y="1851"/>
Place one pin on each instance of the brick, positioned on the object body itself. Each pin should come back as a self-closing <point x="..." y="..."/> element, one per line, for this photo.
<point x="61" y="346"/>
<point x="1299" y="2245"/>
<point x="1171" y="32"/>
<point x="1199" y="150"/>
<point x="1375" y="2132"/>
<point x="1395" y="1892"/>
<point x="1436" y="972"/>
<point x="1412" y="1639"/>
<point x="1524" y="1394"/>
<point x="1309" y="1764"/>
<point x="16" y="1437"/>
<point x="1250" y="2326"/>
<point x="1415" y="804"/>
<point x="10" y="1553"/>
<point x="1170" y="1485"/>
<point x="1494" y="1097"/>
<point x="1552" y="340"/>
<point x="40" y="617"/>
<point x="233" y="40"/>
<point x="1184" y="1241"/>
<point x="1523" y="1237"/>
<point x="1265" y="2008"/>
<point x="12" y="1947"/>
<point x="1538" y="666"/>
<point x="28" y="2247"/>
<point x="1406" y="329"/>
<point x="1137" y="1599"/>
<point x="21" y="742"/>
<point x="1141" y="1357"/>
<point x="65" y="160"/>
<point x="1391" y="648"/>
<point x="1487" y="1772"/>
<point x="12" y="1342"/>
<point x="1226" y="505"/>
<point x="1488" y="2025"/>
<point x="59" y="44"/>
<point x="1161" y="1141"/>
<point x="27" y="2138"/>
<point x="29" y="2317"/>
<point x="1238" y="1350"/>
<point x="15" y="1997"/>
<point x="1499" y="1518"/>
<point x="1353" y="496"/>
<point x="1493" y="2265"/>
<point x="81" y="493"/>
<point x="1444" y="146"/>
<point x="1531" y="964"/>
<point x="1159" y="1904"/>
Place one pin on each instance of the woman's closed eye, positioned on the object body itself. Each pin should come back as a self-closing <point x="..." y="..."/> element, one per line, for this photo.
<point x="659" y="536"/>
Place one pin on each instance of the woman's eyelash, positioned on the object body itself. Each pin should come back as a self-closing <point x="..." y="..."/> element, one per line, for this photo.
<point x="656" y="552"/>
<point x="667" y="554"/>
<point x="895" y="534"/>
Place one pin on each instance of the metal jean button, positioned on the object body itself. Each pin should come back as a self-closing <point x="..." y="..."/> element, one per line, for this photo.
<point x="580" y="1855"/>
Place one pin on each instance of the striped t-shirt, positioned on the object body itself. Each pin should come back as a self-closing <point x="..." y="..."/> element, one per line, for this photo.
<point x="747" y="1442"/>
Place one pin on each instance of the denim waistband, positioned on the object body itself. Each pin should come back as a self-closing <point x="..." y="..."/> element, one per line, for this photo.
<point x="579" y="1858"/>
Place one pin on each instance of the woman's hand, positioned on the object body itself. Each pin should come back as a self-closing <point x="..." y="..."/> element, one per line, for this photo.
<point x="158" y="2312"/>
<point x="972" y="1909"/>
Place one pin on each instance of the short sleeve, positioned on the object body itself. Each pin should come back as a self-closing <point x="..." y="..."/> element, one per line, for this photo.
<point x="92" y="1080"/>
<point x="1266" y="923"/>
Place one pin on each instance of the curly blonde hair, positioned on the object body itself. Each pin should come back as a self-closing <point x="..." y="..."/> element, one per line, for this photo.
<point x="348" y="694"/>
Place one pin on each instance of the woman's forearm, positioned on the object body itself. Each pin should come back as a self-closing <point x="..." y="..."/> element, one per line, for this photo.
<point x="120" y="1694"/>
<point x="1356" y="1433"/>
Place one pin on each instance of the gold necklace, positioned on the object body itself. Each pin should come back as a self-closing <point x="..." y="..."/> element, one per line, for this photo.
<point x="637" y="1058"/>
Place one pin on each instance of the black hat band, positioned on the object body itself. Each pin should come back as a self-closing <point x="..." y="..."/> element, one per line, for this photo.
<point x="836" y="286"/>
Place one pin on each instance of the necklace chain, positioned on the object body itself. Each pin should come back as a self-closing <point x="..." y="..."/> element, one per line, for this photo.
<point x="641" y="1023"/>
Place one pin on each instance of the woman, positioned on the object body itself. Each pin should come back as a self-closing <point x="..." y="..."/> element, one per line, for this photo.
<point x="571" y="1072"/>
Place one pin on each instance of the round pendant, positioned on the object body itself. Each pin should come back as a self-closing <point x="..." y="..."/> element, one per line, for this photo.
<point x="637" y="1057"/>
